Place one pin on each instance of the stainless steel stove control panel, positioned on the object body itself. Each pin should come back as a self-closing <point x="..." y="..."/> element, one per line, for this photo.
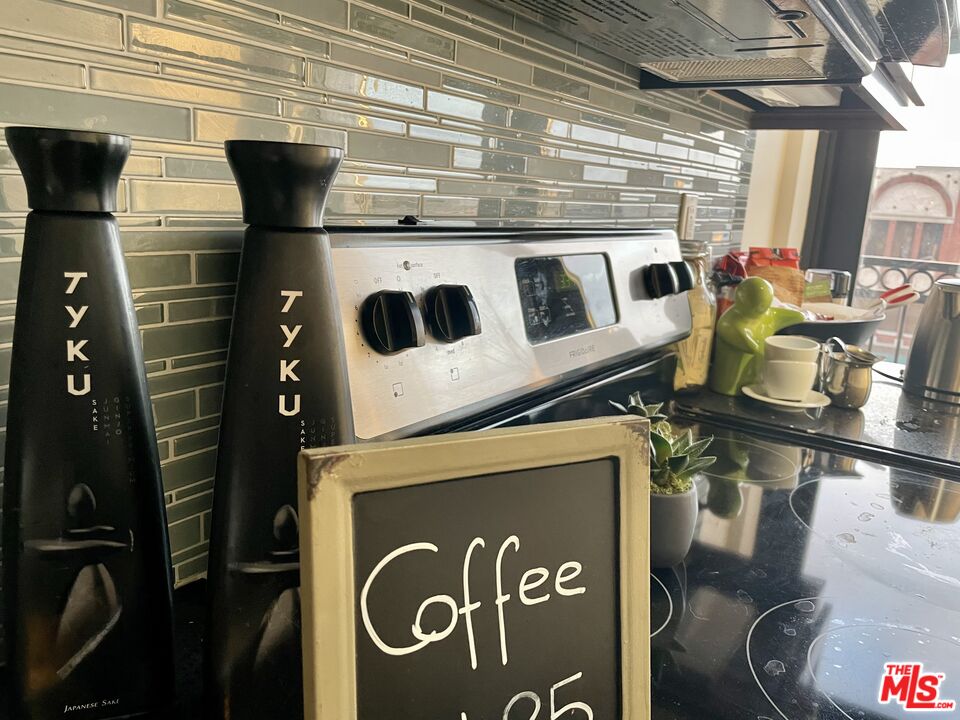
<point x="440" y="326"/>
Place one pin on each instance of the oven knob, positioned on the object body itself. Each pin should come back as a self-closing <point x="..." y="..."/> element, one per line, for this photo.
<point x="660" y="280"/>
<point x="452" y="312"/>
<point x="685" y="279"/>
<point x="392" y="321"/>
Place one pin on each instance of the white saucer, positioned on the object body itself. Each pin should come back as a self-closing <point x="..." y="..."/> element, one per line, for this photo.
<point x="813" y="400"/>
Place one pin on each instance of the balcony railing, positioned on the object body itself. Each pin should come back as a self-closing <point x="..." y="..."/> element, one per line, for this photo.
<point x="877" y="274"/>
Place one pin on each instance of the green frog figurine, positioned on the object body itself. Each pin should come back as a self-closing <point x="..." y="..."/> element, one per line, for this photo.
<point x="741" y="333"/>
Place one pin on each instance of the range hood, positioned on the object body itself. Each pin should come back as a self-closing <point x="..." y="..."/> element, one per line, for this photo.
<point x="797" y="64"/>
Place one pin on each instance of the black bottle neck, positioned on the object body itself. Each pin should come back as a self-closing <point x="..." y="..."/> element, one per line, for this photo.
<point x="69" y="170"/>
<point x="283" y="185"/>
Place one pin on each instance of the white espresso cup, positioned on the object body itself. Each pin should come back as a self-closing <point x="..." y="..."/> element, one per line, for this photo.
<point x="792" y="347"/>
<point x="789" y="379"/>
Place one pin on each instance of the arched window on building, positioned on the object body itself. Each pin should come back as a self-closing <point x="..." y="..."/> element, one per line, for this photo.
<point x="907" y="218"/>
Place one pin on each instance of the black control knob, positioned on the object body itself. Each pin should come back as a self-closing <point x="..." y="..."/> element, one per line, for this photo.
<point x="660" y="280"/>
<point x="685" y="279"/>
<point x="392" y="321"/>
<point x="452" y="312"/>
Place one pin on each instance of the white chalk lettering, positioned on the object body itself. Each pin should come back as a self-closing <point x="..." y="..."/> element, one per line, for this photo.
<point x="469" y="607"/>
<point x="525" y="695"/>
<point x="428" y="626"/>
<point x="365" y="611"/>
<point x="556" y="712"/>
<point x="435" y="635"/>
<point x="563" y="576"/>
<point x="501" y="597"/>
<point x="525" y="586"/>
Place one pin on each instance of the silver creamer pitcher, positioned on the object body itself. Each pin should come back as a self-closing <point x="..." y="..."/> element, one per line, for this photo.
<point x="933" y="370"/>
<point x="847" y="381"/>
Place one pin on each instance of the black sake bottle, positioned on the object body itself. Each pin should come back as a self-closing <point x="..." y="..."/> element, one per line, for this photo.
<point x="286" y="389"/>
<point x="86" y="563"/>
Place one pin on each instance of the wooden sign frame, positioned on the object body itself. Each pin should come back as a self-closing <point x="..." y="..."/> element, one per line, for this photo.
<point x="330" y="477"/>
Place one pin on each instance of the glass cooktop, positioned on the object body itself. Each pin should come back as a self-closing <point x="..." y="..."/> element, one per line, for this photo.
<point x="811" y="574"/>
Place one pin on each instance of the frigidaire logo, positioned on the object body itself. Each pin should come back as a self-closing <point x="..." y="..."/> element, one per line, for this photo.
<point x="287" y="367"/>
<point x="75" y="346"/>
<point x="908" y="685"/>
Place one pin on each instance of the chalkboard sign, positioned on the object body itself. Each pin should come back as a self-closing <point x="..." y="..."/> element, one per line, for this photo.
<point x="500" y="575"/>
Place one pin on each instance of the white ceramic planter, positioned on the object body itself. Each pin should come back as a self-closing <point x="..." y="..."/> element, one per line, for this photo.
<point x="673" y="519"/>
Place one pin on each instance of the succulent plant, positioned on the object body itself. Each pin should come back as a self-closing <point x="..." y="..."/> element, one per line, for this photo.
<point x="675" y="457"/>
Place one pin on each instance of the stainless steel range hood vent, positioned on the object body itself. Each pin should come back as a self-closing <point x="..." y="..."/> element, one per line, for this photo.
<point x="730" y="45"/>
<point x="748" y="69"/>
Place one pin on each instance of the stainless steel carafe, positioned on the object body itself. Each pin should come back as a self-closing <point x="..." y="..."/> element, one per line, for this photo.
<point x="933" y="370"/>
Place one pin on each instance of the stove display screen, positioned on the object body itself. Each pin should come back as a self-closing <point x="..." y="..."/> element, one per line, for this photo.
<point x="564" y="295"/>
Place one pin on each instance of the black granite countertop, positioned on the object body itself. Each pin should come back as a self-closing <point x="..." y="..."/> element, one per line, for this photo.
<point x="893" y="427"/>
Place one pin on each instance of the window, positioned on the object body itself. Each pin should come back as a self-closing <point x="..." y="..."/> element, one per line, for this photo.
<point x="930" y="242"/>
<point x="912" y="233"/>
<point x="904" y="234"/>
<point x="876" y="240"/>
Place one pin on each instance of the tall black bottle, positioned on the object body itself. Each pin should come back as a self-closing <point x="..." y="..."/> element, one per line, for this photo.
<point x="286" y="389"/>
<point x="86" y="563"/>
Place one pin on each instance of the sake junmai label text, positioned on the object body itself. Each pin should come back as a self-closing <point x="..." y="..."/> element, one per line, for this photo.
<point x="908" y="685"/>
<point x="75" y="346"/>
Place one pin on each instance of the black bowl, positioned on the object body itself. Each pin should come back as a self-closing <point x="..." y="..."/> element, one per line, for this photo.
<point x="852" y="332"/>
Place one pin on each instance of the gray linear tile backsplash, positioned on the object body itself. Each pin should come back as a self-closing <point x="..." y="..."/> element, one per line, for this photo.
<point x="449" y="109"/>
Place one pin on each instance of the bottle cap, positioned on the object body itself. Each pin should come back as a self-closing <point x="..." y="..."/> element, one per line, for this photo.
<point x="283" y="185"/>
<point x="69" y="170"/>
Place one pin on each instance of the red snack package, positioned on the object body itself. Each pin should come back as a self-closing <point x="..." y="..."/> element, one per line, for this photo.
<point x="773" y="257"/>
<point x="734" y="263"/>
<point x="781" y="267"/>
